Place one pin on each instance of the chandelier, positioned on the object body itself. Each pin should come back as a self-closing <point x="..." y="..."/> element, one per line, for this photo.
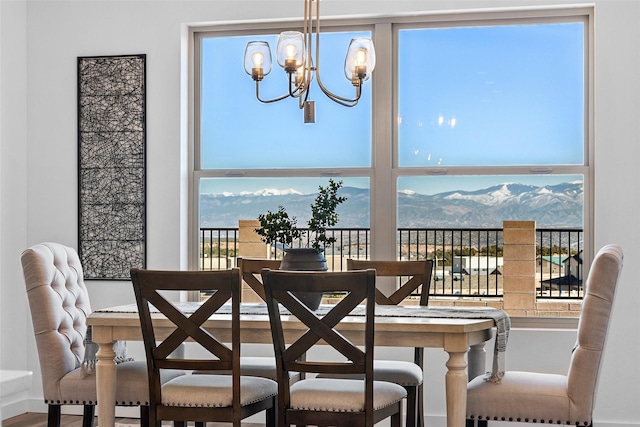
<point x="294" y="54"/>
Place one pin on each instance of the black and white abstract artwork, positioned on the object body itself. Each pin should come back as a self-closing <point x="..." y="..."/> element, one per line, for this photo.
<point x="111" y="165"/>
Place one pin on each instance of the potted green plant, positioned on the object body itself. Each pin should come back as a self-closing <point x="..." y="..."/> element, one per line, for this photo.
<point x="324" y="214"/>
<point x="279" y="227"/>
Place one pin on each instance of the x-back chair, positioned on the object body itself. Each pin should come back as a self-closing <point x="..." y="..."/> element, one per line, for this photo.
<point x="327" y="401"/>
<point x="199" y="398"/>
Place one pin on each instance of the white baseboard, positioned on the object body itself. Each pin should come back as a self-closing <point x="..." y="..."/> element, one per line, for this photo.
<point x="14" y="385"/>
<point x="13" y="407"/>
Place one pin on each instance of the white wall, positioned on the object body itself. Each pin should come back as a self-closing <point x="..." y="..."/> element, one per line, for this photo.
<point x="40" y="42"/>
<point x="13" y="189"/>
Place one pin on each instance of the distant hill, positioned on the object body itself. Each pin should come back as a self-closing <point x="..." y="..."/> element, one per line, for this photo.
<point x="550" y="206"/>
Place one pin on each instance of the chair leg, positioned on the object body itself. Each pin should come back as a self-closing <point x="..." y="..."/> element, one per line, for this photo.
<point x="480" y="423"/>
<point x="179" y="424"/>
<point x="144" y="416"/>
<point x="395" y="420"/>
<point x="201" y="424"/>
<point x="88" y="415"/>
<point x="420" y="422"/>
<point x="53" y="418"/>
<point x="412" y="397"/>
<point x="271" y="417"/>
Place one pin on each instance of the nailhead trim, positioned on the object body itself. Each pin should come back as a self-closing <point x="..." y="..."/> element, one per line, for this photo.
<point x="526" y="420"/>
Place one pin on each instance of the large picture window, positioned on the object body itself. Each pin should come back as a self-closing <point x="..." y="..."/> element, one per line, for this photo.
<point x="467" y="121"/>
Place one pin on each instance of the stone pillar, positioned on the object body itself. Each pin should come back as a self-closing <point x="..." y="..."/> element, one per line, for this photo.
<point x="519" y="274"/>
<point x="250" y="246"/>
<point x="249" y="243"/>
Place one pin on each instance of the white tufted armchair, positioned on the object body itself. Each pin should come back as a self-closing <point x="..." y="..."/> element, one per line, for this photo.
<point x="59" y="305"/>
<point x="552" y="398"/>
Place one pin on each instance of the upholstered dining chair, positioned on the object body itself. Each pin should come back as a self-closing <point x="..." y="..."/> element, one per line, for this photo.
<point x="413" y="277"/>
<point x="327" y="401"/>
<point x="553" y="398"/>
<point x="199" y="398"/>
<point x="59" y="305"/>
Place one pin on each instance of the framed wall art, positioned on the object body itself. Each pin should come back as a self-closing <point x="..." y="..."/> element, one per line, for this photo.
<point x="111" y="165"/>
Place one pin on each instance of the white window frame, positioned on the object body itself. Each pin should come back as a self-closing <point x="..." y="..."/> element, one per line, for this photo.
<point x="384" y="170"/>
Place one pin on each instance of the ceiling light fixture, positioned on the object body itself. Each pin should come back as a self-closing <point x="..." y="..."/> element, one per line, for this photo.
<point x="295" y="55"/>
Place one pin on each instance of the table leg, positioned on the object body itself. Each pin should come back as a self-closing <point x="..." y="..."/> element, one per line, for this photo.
<point x="456" y="389"/>
<point x="106" y="384"/>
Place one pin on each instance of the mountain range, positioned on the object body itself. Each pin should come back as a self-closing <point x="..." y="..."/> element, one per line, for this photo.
<point x="559" y="205"/>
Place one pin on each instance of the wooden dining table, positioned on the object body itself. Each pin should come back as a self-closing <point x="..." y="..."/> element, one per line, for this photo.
<point x="456" y="336"/>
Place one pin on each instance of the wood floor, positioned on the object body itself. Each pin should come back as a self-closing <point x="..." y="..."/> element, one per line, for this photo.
<point x="40" y="420"/>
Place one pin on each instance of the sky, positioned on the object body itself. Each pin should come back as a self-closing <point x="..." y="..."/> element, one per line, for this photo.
<point x="260" y="133"/>
<point x="491" y="95"/>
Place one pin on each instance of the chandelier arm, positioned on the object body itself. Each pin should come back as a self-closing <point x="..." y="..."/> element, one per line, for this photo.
<point x="337" y="98"/>
<point x="267" y="101"/>
<point x="348" y="103"/>
<point x="302" y="100"/>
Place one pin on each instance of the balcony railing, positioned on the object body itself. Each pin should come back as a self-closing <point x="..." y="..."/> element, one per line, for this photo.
<point x="218" y="247"/>
<point x="467" y="262"/>
<point x="559" y="267"/>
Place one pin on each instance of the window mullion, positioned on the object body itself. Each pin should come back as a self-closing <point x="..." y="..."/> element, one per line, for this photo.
<point x="383" y="200"/>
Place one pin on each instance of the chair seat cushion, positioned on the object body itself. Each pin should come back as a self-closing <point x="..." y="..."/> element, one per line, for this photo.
<point x="522" y="397"/>
<point x="342" y="395"/>
<point x="253" y="366"/>
<point x="132" y="387"/>
<point x="257" y="366"/>
<point x="215" y="391"/>
<point x="407" y="374"/>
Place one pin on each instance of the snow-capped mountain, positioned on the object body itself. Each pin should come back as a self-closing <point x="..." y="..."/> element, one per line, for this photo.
<point x="550" y="206"/>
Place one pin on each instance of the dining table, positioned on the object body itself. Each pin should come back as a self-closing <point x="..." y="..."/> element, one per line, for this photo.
<point x="411" y="326"/>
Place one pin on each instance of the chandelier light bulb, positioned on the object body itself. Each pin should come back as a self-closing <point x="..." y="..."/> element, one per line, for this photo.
<point x="290" y="51"/>
<point x="360" y="60"/>
<point x="299" y="76"/>
<point x="361" y="63"/>
<point x="258" y="59"/>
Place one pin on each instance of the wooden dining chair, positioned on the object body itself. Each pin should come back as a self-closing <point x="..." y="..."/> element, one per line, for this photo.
<point x="250" y="269"/>
<point x="328" y="401"/>
<point x="412" y="277"/>
<point x="199" y="398"/>
<point x="554" y="398"/>
<point x="257" y="366"/>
